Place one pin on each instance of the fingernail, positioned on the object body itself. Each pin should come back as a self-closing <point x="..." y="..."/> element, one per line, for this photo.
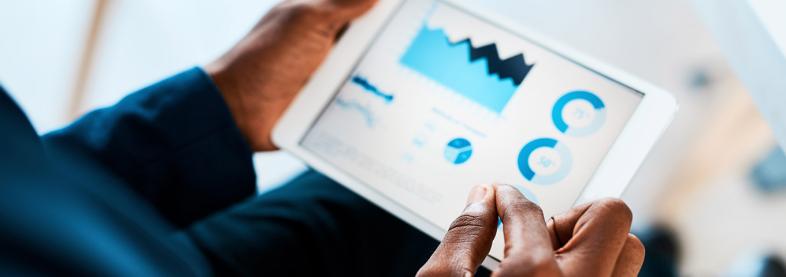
<point x="477" y="194"/>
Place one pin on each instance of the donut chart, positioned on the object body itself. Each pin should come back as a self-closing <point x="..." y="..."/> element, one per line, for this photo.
<point x="583" y="118"/>
<point x="544" y="161"/>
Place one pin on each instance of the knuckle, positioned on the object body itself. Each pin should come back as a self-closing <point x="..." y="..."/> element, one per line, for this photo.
<point x="503" y="270"/>
<point x="617" y="208"/>
<point x="466" y="225"/>
<point x="634" y="244"/>
<point x="538" y="264"/>
<point x="295" y="10"/>
<point x="523" y="207"/>
<point x="526" y="266"/>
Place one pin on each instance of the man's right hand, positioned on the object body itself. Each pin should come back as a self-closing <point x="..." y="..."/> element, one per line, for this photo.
<point x="590" y="240"/>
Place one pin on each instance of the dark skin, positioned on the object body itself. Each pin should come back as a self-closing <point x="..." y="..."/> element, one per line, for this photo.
<point x="261" y="75"/>
<point x="263" y="72"/>
<point x="590" y="240"/>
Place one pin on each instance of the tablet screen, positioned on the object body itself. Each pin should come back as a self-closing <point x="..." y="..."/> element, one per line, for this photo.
<point x="443" y="100"/>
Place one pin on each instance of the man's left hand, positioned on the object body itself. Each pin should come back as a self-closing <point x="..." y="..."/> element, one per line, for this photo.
<point x="260" y="76"/>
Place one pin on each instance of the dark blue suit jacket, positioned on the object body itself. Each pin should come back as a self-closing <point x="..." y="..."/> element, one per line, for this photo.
<point x="110" y="194"/>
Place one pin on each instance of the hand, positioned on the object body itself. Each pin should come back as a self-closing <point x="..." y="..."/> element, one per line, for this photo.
<point x="263" y="72"/>
<point x="589" y="240"/>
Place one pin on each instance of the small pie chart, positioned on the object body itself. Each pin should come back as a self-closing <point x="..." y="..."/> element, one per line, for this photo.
<point x="458" y="151"/>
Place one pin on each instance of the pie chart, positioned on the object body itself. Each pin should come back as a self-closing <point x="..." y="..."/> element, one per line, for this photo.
<point x="544" y="161"/>
<point x="458" y="151"/>
<point x="578" y="113"/>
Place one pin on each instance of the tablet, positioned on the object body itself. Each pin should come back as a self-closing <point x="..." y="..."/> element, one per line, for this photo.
<point x="420" y="100"/>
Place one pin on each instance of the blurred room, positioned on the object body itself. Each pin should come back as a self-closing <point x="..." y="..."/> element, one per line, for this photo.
<point x="717" y="178"/>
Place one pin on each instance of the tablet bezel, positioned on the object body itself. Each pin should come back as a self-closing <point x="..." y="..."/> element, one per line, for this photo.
<point x="626" y="154"/>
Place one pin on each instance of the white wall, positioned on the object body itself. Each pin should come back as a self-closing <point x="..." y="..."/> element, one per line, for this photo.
<point x="40" y="44"/>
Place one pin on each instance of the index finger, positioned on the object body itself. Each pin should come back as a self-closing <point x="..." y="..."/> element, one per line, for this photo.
<point x="527" y="242"/>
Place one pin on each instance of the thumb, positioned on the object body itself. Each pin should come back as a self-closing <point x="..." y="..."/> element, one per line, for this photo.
<point x="469" y="238"/>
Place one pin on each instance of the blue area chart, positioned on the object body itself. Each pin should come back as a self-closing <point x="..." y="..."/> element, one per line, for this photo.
<point x="544" y="161"/>
<point x="458" y="151"/>
<point x="596" y="114"/>
<point x="478" y="74"/>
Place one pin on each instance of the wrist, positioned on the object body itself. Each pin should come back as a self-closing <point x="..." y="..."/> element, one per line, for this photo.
<point x="230" y="93"/>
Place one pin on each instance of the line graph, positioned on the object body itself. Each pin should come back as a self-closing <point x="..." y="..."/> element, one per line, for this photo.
<point x="370" y="88"/>
<point x="363" y="110"/>
<point x="477" y="73"/>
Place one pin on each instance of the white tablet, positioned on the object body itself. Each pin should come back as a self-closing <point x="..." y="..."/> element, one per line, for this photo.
<point x="422" y="99"/>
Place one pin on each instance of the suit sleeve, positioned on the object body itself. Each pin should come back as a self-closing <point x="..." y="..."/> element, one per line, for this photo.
<point x="174" y="142"/>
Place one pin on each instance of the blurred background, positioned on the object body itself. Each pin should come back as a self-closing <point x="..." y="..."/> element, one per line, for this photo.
<point x="716" y="180"/>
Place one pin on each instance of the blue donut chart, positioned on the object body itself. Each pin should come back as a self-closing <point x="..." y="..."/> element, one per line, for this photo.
<point x="579" y="95"/>
<point x="566" y="161"/>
